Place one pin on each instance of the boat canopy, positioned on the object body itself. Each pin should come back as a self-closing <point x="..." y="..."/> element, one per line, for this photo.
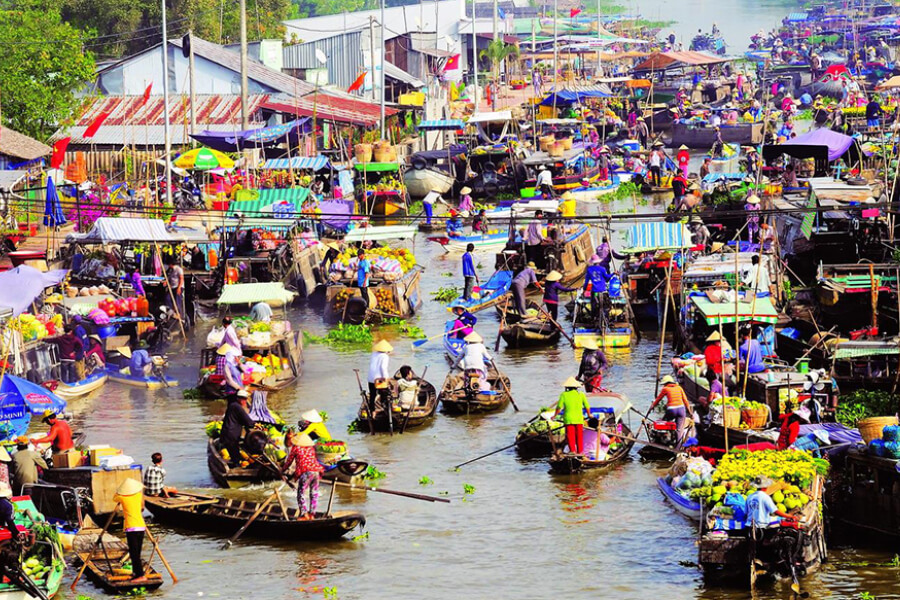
<point x="649" y="237"/>
<point x="19" y="287"/>
<point x="542" y="158"/>
<point x="107" y="230"/>
<point x="381" y="233"/>
<point x="314" y="163"/>
<point x="821" y="144"/>
<point x="759" y="311"/>
<point x="263" y="137"/>
<point x="375" y="167"/>
<point x="501" y="116"/>
<point x="662" y="61"/>
<point x="441" y="125"/>
<point x="251" y="293"/>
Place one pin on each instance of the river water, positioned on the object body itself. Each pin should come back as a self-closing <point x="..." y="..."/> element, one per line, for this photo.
<point x="522" y="533"/>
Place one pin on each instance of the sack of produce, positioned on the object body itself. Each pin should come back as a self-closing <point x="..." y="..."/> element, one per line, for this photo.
<point x="892" y="450"/>
<point x="214" y="337"/>
<point x="891" y="433"/>
<point x="876" y="448"/>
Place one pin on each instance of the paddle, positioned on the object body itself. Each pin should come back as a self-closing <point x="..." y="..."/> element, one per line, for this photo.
<point x="505" y="387"/>
<point x="420" y="343"/>
<point x="90" y="553"/>
<point x="561" y="330"/>
<point x="161" y="556"/>
<point x="415" y="400"/>
<point x="369" y="408"/>
<point x="228" y="543"/>
<point x="386" y="491"/>
<point x="502" y="323"/>
<point x="517" y="442"/>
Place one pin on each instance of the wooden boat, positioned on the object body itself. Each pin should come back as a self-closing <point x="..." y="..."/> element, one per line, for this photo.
<point x="598" y="191"/>
<point x="727" y="164"/>
<point x="47" y="549"/>
<point x="105" y="564"/>
<point x="151" y="382"/>
<point x="422" y="411"/>
<point x="419" y="182"/>
<point x="569" y="254"/>
<point x="76" y="389"/>
<point x="663" y="435"/>
<point x="460" y="396"/>
<point x="872" y="506"/>
<point x="569" y="170"/>
<point x="489" y="294"/>
<point x="492" y="240"/>
<point x="288" y="347"/>
<point x="453" y="346"/>
<point x="617" y="336"/>
<point x="528" y="334"/>
<point x="685" y="506"/>
<point x="569" y="463"/>
<point x="536" y="445"/>
<point x="703" y="137"/>
<point x="344" y="302"/>
<point x="227" y="515"/>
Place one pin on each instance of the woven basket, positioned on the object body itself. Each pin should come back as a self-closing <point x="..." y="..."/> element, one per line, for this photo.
<point x="363" y="152"/>
<point x="871" y="428"/>
<point x="555" y="149"/>
<point x="567" y="143"/>
<point x="756" y="418"/>
<point x="731" y="417"/>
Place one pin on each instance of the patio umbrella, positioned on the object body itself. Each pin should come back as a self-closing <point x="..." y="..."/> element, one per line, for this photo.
<point x="204" y="159"/>
<point x="34" y="398"/>
<point x="53" y="214"/>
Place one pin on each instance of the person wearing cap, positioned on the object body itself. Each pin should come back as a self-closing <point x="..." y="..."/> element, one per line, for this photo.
<point x="522" y="280"/>
<point x="228" y="369"/>
<point x="312" y="424"/>
<point x="573" y="404"/>
<point x="544" y="182"/>
<point x="475" y="357"/>
<point x="59" y="436"/>
<point x="678" y="408"/>
<point x="642" y="131"/>
<point x="130" y="498"/>
<point x="379" y="368"/>
<point x="230" y="336"/>
<point x="593" y="363"/>
<point x="261" y="312"/>
<point x="234" y="422"/>
<point x="465" y="200"/>
<point x="464" y="323"/>
<point x="552" y="289"/>
<point x="454" y="225"/>
<point x="428" y="202"/>
<point x="790" y="426"/>
<point x="307" y="473"/>
<point x="94" y="358"/>
<point x="25" y="463"/>
<point x="470" y="275"/>
<point x="713" y="352"/>
<point x="752" y="209"/>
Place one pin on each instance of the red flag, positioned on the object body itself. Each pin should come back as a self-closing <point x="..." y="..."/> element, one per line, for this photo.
<point x="95" y="125"/>
<point x="147" y="94"/>
<point x="59" y="152"/>
<point x="574" y="12"/>
<point x="452" y="63"/>
<point x="357" y="83"/>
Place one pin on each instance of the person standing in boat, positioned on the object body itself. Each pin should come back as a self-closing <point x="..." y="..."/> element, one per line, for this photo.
<point x="544" y="182"/>
<point x="454" y="225"/>
<point x="307" y="473"/>
<point x="230" y="337"/>
<point x="130" y="498"/>
<point x="534" y="239"/>
<point x="642" y="132"/>
<point x="60" y="435"/>
<point x="470" y="276"/>
<point x="593" y="363"/>
<point x="379" y="370"/>
<point x="312" y="424"/>
<point x="678" y="408"/>
<point x="234" y="422"/>
<point x="752" y="209"/>
<point x="521" y="281"/>
<point x="552" y="290"/>
<point x="428" y="202"/>
<point x="684" y="158"/>
<point x="363" y="274"/>
<point x="466" y="205"/>
<point x="573" y="404"/>
<point x="475" y="357"/>
<point x="596" y="281"/>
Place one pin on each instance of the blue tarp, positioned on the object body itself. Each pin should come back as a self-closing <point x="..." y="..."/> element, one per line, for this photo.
<point x="53" y="214"/>
<point x="315" y="163"/>
<point x="797" y="17"/>
<point x="20" y="286"/>
<point x="648" y="237"/>
<point x="233" y="141"/>
<point x="572" y="97"/>
<point x="35" y="398"/>
<point x="441" y="125"/>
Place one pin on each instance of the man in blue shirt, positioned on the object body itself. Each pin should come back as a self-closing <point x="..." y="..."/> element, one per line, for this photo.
<point x="363" y="271"/>
<point x="469" y="275"/>
<point x="139" y="364"/>
<point x="762" y="510"/>
<point x="454" y="225"/>
<point x="596" y="279"/>
<point x="750" y="353"/>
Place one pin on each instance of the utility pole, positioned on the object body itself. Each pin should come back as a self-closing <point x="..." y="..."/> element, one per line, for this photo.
<point x="190" y="36"/>
<point x="245" y="114"/>
<point x="599" y="48"/>
<point x="555" y="54"/>
<point x="382" y="69"/>
<point x="474" y="60"/>
<point x="496" y="17"/>
<point x="372" y="54"/>
<point x="165" y="86"/>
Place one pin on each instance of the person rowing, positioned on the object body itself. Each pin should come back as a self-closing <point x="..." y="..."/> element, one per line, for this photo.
<point x="678" y="408"/>
<point x="593" y="363"/>
<point x="464" y="323"/>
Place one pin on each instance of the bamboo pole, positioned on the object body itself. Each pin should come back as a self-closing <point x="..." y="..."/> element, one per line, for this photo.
<point x="662" y="334"/>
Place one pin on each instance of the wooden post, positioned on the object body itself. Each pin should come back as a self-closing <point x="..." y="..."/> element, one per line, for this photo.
<point x="874" y="286"/>
<point x="662" y="333"/>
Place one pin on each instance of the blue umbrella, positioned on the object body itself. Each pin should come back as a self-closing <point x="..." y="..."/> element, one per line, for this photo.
<point x="33" y="398"/>
<point x="53" y="215"/>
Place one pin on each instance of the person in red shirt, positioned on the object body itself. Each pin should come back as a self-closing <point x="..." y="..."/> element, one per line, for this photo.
<point x="60" y="435"/>
<point x="713" y="352"/>
<point x="307" y="473"/>
<point x="790" y="427"/>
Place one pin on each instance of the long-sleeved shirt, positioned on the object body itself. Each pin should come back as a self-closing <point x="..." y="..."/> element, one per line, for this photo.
<point x="379" y="367"/>
<point x="468" y="265"/>
<point x="139" y="360"/>
<point x="592" y="362"/>
<point x="231" y="338"/>
<point x="533" y="234"/>
<point x="70" y="346"/>
<point x="525" y="278"/>
<point x="475" y="357"/>
<point x="305" y="457"/>
<point x="552" y="290"/>
<point x="236" y="419"/>
<point x="24" y="468"/>
<point x="598" y="277"/>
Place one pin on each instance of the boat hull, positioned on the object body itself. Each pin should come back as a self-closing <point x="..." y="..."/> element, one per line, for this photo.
<point x="615" y="337"/>
<point x="688" y="508"/>
<point x="419" y="182"/>
<point x="70" y="391"/>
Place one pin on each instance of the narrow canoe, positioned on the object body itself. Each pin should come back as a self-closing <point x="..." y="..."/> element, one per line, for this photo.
<point x="568" y="464"/>
<point x="453" y="346"/>
<point x="458" y="398"/>
<point x="106" y="563"/>
<point x="422" y="412"/>
<point x="685" y="506"/>
<point x="227" y="515"/>
<point x="76" y="389"/>
<point x="528" y="334"/>
<point x="151" y="382"/>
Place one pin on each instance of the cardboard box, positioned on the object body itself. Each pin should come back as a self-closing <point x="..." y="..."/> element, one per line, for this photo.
<point x="67" y="460"/>
<point x="97" y="453"/>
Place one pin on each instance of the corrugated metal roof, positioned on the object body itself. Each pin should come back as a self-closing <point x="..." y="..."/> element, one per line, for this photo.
<point x="130" y="110"/>
<point x="344" y="52"/>
<point x="394" y="72"/>
<point x="141" y="135"/>
<point x="332" y="108"/>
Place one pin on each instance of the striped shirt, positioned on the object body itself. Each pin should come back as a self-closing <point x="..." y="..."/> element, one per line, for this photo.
<point x="675" y="396"/>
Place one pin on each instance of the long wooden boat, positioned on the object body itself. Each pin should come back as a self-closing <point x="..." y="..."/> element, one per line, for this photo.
<point x="873" y="504"/>
<point x="419" y="182"/>
<point x="538" y="445"/>
<point x="598" y="191"/>
<point x="703" y="137"/>
<point x="347" y="471"/>
<point x="288" y="347"/>
<point x="569" y="254"/>
<point x="76" y="389"/>
<point x="528" y="334"/>
<point x="47" y="575"/>
<point x="685" y="506"/>
<point x="492" y="240"/>
<point x="106" y="563"/>
<point x="416" y="416"/>
<point x="458" y="397"/>
<point x="569" y="463"/>
<point x="151" y="382"/>
<point x="227" y="515"/>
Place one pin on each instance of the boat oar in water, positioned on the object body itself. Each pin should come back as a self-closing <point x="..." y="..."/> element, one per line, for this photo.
<point x="503" y="383"/>
<point x="561" y="330"/>
<point x="517" y="442"/>
<point x="420" y="343"/>
<point x="230" y="541"/>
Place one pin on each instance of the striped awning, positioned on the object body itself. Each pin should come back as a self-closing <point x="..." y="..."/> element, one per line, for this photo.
<point x="798" y="16"/>
<point x="648" y="237"/>
<point x="315" y="163"/>
<point x="441" y="124"/>
<point x="760" y="311"/>
<point x="864" y="349"/>
<point x="262" y="205"/>
<point x="251" y="293"/>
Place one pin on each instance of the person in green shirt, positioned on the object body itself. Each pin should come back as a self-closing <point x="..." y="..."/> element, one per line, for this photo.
<point x="572" y="404"/>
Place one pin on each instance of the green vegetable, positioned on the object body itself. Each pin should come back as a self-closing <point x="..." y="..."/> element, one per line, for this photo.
<point x="863" y="404"/>
<point x="445" y="294"/>
<point x="343" y="334"/>
<point x="191" y="394"/>
<point x="468" y="489"/>
<point x="373" y="473"/>
<point x="425" y="480"/>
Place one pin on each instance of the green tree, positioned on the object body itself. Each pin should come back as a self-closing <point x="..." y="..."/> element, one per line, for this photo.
<point x="497" y="52"/>
<point x="42" y="65"/>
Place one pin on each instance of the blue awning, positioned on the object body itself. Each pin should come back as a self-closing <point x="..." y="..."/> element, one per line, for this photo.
<point x="648" y="237"/>
<point x="263" y="137"/>
<point x="441" y="125"/>
<point x="572" y="96"/>
<point x="798" y="16"/>
<point x="316" y="163"/>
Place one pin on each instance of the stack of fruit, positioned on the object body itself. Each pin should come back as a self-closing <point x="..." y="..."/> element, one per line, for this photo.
<point x="340" y="300"/>
<point x="385" y="300"/>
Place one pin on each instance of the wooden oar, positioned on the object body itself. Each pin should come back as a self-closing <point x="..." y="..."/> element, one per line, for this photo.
<point x="420" y="343"/>
<point x="517" y="442"/>
<point x="90" y="553"/>
<point x="368" y="403"/>
<point x="558" y="326"/>
<point x="505" y="387"/>
<point x="415" y="400"/>
<point x="228" y="543"/>
<point x="386" y="491"/>
<point x="161" y="556"/>
<point x="502" y="323"/>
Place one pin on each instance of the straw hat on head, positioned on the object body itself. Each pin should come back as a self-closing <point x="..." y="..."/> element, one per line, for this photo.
<point x="23" y="440"/>
<point x="130" y="487"/>
<point x="48" y="414"/>
<point x="554" y="276"/>
<point x="126" y="351"/>
<point x="568" y="196"/>
<point x="667" y="380"/>
<point x="4" y="455"/>
<point x="222" y="351"/>
<point x="683" y="147"/>
<point x="571" y="382"/>
<point x="473" y="338"/>
<point x="311" y="416"/>
<point x="333" y="246"/>
<point x="589" y="344"/>
<point x="465" y="190"/>
<point x="94" y="336"/>
<point x="382" y="346"/>
<point x="715" y="336"/>
<point x="242" y="394"/>
<point x="754" y="199"/>
<point x="531" y="265"/>
<point x="804" y="413"/>
<point x="303" y="440"/>
<point x="716" y="247"/>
